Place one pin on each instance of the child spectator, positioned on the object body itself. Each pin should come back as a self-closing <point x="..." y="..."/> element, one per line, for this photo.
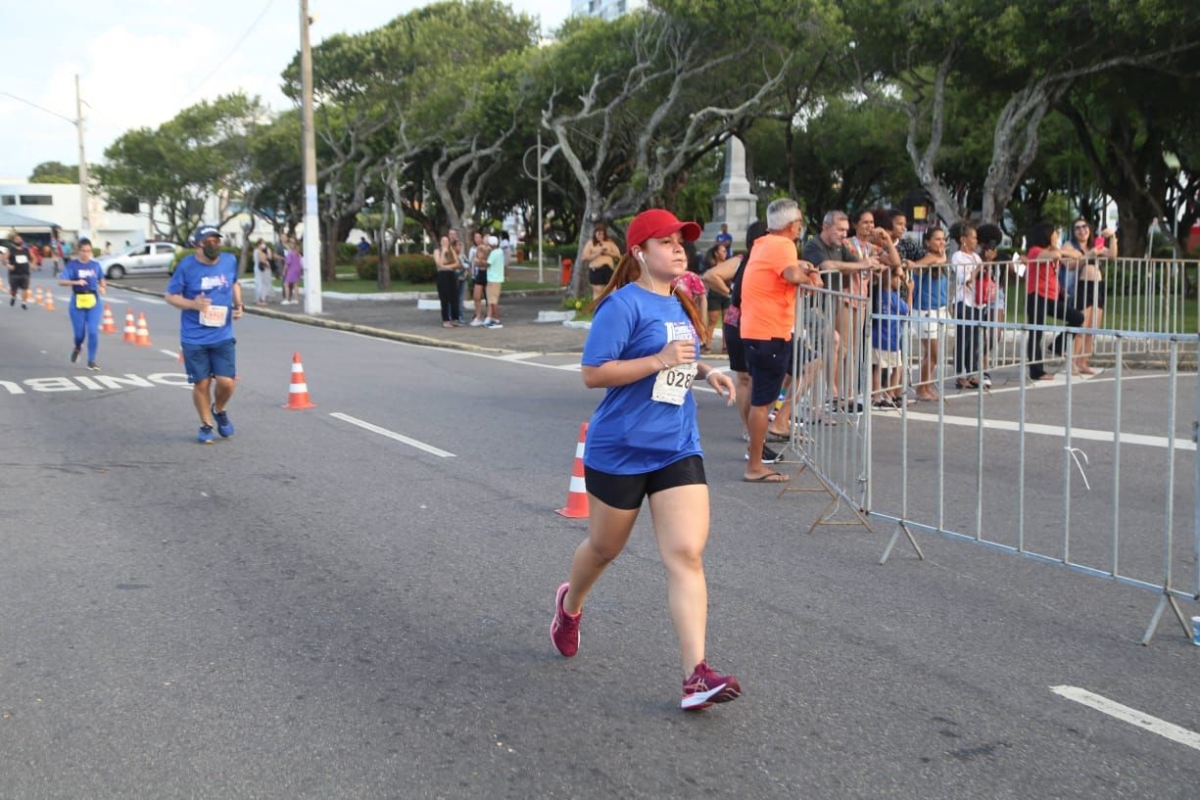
<point x="886" y="339"/>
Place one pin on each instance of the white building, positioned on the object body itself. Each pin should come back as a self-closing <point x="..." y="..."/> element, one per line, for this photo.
<point x="58" y="204"/>
<point x="605" y="9"/>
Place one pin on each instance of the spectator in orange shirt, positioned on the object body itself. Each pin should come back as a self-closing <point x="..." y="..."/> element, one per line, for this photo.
<point x="768" y="293"/>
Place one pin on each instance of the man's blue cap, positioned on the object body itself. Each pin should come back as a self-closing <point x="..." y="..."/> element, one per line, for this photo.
<point x="203" y="232"/>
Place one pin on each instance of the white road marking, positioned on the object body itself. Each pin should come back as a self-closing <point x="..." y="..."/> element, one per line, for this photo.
<point x="428" y="448"/>
<point x="1134" y="717"/>
<point x="1052" y="430"/>
<point x="170" y="353"/>
<point x="518" y="356"/>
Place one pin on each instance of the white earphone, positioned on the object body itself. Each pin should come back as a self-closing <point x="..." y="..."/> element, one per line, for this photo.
<point x="641" y="257"/>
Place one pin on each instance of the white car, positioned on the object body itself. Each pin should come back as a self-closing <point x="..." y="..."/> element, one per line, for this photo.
<point x="147" y="258"/>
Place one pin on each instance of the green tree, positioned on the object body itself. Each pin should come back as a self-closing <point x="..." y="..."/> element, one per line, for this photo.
<point x="54" y="172"/>
<point x="908" y="53"/>
<point x="633" y="104"/>
<point x="846" y="152"/>
<point x="187" y="160"/>
<point x="1129" y="124"/>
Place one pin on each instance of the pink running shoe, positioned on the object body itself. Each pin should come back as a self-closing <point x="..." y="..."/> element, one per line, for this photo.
<point x="564" y="628"/>
<point x="706" y="687"/>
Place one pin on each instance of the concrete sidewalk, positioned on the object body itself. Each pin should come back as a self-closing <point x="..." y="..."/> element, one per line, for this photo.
<point x="397" y="316"/>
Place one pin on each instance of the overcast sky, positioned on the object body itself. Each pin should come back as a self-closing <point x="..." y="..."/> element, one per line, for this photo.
<point x="141" y="61"/>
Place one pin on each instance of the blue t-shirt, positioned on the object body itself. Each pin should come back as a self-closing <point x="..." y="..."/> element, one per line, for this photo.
<point x="885" y="333"/>
<point x="216" y="282"/>
<point x="79" y="271"/>
<point x="929" y="289"/>
<point x="631" y="434"/>
<point x="727" y="240"/>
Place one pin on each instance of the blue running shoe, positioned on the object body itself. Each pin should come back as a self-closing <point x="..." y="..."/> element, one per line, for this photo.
<point x="224" y="426"/>
<point x="206" y="435"/>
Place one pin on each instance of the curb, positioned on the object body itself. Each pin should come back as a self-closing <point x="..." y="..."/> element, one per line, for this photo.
<point x="366" y="330"/>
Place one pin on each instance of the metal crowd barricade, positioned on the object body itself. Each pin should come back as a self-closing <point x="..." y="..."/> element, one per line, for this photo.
<point x="829" y="400"/>
<point x="1083" y="472"/>
<point x="1142" y="296"/>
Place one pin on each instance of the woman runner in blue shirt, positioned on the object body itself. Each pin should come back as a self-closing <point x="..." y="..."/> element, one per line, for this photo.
<point x="643" y="442"/>
<point x="86" y="280"/>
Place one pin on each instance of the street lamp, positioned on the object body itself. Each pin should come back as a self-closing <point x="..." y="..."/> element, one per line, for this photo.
<point x="542" y="160"/>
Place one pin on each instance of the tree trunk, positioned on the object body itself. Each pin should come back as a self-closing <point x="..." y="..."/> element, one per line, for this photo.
<point x="579" y="287"/>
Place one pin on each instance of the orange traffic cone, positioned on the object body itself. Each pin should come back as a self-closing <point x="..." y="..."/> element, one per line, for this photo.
<point x="108" y="324"/>
<point x="49" y="300"/>
<point x="298" y="390"/>
<point x="577" y="501"/>
<point x="143" y="332"/>
<point x="28" y="296"/>
<point x="37" y="296"/>
<point x="130" y="328"/>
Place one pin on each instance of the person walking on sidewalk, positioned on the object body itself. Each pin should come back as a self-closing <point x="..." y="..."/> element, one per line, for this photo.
<point x="86" y="280"/>
<point x="205" y="288"/>
<point x="495" y="279"/>
<point x="643" y="441"/>
<point x="293" y="268"/>
<point x="264" y="291"/>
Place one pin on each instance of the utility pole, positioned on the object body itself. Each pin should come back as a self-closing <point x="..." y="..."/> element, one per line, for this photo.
<point x="541" y="224"/>
<point x="312" y="221"/>
<point x="85" y="216"/>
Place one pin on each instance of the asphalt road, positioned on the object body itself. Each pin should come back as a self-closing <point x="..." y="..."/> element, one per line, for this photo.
<point x="314" y="609"/>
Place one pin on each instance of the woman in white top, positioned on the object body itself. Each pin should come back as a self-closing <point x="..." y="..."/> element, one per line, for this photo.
<point x="264" y="291"/>
<point x="967" y="309"/>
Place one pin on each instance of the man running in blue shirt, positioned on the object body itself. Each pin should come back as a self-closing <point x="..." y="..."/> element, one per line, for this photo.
<point x="205" y="288"/>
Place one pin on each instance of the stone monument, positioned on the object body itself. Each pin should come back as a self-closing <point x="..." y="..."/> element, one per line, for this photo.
<point x="735" y="205"/>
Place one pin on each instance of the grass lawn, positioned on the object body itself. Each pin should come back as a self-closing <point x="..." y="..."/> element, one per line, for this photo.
<point x="1127" y="312"/>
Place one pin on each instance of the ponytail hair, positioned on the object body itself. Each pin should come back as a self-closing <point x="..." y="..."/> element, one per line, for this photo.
<point x="629" y="270"/>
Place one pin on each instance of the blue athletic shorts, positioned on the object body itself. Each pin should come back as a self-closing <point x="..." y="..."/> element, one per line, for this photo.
<point x="204" y="361"/>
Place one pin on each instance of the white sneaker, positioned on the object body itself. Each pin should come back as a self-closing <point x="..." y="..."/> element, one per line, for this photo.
<point x="493" y="324"/>
<point x="477" y="322"/>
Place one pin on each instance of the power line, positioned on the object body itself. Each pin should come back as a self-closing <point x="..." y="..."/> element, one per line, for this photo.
<point x="236" y="47"/>
<point x="39" y="108"/>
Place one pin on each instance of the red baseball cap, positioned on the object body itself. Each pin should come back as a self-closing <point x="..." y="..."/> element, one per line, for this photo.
<point x="656" y="223"/>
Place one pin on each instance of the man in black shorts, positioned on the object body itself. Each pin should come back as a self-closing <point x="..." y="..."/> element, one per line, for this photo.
<point x="768" y="301"/>
<point x="19" y="261"/>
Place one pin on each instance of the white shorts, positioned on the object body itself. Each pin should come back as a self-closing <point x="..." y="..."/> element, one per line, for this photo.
<point x="887" y="359"/>
<point x="929" y="330"/>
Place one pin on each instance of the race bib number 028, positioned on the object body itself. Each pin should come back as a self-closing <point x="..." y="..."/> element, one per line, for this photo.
<point x="672" y="384"/>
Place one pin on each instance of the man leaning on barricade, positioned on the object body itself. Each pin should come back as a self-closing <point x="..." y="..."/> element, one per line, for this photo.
<point x="768" y="302"/>
<point x="842" y="270"/>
